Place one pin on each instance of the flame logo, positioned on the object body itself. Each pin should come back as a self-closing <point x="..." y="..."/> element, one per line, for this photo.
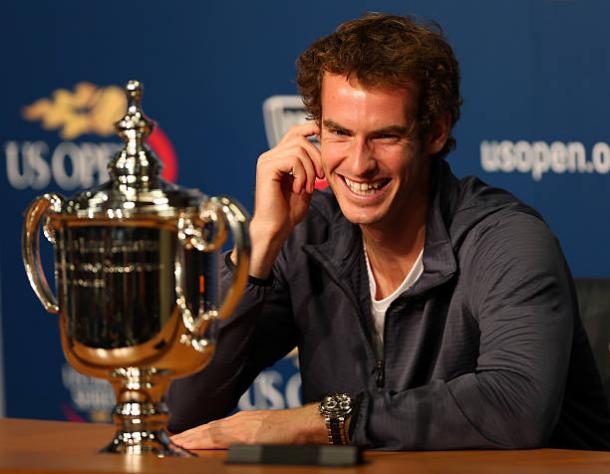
<point x="89" y="109"/>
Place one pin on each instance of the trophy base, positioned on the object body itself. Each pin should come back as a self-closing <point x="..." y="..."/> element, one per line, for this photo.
<point x="156" y="443"/>
<point x="140" y="414"/>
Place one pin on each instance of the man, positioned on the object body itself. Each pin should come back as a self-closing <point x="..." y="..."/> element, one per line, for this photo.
<point x="435" y="313"/>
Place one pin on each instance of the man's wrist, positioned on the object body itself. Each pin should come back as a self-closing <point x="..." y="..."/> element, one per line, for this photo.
<point x="313" y="431"/>
<point x="266" y="246"/>
<point x="230" y="263"/>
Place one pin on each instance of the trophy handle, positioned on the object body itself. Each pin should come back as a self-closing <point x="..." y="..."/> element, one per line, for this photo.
<point x="223" y="212"/>
<point x="237" y="219"/>
<point x="30" y="246"/>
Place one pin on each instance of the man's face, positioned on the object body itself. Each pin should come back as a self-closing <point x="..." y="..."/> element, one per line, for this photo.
<point x="371" y="156"/>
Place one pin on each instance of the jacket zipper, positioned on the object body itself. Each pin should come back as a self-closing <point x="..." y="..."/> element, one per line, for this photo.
<point x="380" y="362"/>
<point x="381" y="355"/>
<point x="380" y="373"/>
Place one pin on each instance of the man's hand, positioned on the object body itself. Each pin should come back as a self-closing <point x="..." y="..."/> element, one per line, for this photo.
<point x="285" y="179"/>
<point x="302" y="425"/>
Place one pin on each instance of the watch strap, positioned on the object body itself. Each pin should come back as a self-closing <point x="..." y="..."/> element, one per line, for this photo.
<point x="337" y="431"/>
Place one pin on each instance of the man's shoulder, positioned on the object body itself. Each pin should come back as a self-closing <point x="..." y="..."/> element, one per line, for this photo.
<point x="473" y="206"/>
<point x="492" y="225"/>
<point x="478" y="198"/>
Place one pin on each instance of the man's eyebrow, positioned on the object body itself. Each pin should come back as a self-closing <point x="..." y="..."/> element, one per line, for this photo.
<point x="392" y="130"/>
<point x="332" y="125"/>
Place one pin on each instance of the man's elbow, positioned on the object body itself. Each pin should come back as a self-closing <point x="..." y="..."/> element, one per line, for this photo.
<point x="531" y="428"/>
<point x="528" y="435"/>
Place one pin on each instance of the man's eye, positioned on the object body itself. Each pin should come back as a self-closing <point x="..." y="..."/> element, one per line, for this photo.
<point x="388" y="137"/>
<point x="339" y="133"/>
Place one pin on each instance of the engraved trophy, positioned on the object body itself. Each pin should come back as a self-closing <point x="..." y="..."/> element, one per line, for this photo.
<point x="136" y="277"/>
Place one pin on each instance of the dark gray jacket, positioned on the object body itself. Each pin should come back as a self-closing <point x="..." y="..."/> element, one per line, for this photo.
<point x="486" y="350"/>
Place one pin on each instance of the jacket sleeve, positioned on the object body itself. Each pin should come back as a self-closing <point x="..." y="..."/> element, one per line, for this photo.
<point x="519" y="290"/>
<point x="247" y="343"/>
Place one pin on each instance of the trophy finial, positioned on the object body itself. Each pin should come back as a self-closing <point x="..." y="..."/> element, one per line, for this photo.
<point x="134" y="89"/>
<point x="134" y="119"/>
<point x="135" y="163"/>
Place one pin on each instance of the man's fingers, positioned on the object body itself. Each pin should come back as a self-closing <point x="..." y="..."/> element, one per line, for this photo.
<point x="296" y="145"/>
<point x="195" y="438"/>
<point x="295" y="161"/>
<point x="303" y="173"/>
<point x="299" y="176"/>
<point x="306" y="129"/>
<point x="299" y="135"/>
<point x="316" y="157"/>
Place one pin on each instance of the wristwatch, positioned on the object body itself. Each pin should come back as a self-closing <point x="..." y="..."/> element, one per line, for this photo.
<point x="336" y="410"/>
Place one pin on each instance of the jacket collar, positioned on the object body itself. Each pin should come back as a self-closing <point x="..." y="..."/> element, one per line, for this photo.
<point x="343" y="249"/>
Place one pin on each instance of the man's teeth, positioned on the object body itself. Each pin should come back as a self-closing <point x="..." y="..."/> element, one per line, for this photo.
<point x="363" y="188"/>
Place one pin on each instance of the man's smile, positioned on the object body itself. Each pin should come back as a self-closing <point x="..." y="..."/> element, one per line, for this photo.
<point x="365" y="188"/>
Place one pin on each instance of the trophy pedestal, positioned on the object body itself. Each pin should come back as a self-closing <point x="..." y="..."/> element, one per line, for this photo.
<point x="140" y="414"/>
<point x="145" y="442"/>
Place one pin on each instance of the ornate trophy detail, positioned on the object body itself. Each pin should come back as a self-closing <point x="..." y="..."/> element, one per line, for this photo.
<point x="137" y="284"/>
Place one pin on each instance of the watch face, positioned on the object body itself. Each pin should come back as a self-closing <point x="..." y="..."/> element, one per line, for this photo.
<point x="336" y="405"/>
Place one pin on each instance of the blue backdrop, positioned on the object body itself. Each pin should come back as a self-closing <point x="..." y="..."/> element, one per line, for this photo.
<point x="536" y="120"/>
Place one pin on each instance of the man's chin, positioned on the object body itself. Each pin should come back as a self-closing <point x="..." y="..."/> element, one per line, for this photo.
<point x="361" y="218"/>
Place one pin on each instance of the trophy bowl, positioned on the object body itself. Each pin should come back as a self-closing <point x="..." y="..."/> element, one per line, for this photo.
<point x="137" y="280"/>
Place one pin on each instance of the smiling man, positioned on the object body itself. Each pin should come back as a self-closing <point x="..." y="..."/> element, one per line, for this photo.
<point x="429" y="312"/>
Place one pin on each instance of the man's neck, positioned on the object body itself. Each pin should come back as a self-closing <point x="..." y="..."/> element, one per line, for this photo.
<point x="392" y="252"/>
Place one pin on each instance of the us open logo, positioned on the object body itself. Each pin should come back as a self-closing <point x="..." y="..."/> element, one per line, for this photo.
<point x="541" y="158"/>
<point x="87" y="110"/>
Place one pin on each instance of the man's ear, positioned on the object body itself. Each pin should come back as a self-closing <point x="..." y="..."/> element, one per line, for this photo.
<point x="437" y="137"/>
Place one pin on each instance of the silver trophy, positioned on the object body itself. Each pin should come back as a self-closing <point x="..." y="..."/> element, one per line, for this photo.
<point x="137" y="280"/>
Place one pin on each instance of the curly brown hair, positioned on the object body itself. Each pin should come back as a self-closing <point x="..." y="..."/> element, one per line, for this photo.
<point x="382" y="50"/>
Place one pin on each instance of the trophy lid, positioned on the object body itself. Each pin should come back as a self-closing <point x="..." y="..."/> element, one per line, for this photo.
<point x="135" y="188"/>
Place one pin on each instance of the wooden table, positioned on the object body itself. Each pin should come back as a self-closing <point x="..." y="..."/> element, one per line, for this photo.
<point x="28" y="446"/>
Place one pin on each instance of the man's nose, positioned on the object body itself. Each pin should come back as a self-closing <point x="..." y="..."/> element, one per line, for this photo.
<point x="361" y="158"/>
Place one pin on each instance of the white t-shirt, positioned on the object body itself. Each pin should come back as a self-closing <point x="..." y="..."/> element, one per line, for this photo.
<point x="379" y="307"/>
